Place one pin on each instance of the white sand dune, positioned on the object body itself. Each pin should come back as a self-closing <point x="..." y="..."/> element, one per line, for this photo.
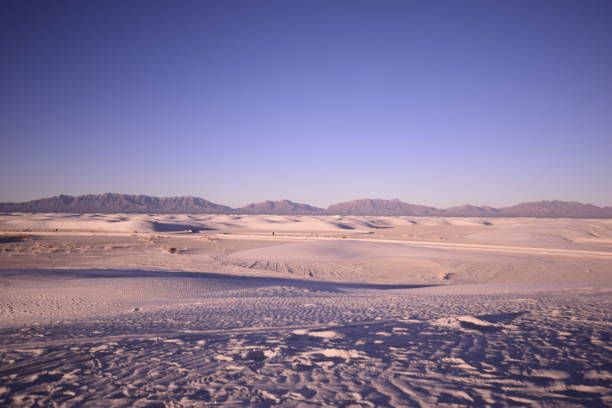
<point x="504" y="231"/>
<point x="419" y="262"/>
<point x="214" y="310"/>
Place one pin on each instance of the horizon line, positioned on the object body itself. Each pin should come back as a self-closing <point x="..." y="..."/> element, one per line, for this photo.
<point x="306" y="203"/>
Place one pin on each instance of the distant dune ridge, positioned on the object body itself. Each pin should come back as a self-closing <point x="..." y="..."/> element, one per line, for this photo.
<point x="131" y="203"/>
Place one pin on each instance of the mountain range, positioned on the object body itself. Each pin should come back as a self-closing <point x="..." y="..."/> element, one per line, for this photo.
<point x="117" y="203"/>
<point x="131" y="203"/>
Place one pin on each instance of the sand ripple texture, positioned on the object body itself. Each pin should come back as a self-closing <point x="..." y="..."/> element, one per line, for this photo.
<point x="301" y="345"/>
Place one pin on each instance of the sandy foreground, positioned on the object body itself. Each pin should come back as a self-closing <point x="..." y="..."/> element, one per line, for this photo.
<point x="225" y="310"/>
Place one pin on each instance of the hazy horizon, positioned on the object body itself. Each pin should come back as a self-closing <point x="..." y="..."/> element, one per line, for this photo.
<point x="324" y="206"/>
<point x="438" y="104"/>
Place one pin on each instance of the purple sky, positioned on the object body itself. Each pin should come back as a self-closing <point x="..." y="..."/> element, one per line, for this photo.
<point x="432" y="102"/>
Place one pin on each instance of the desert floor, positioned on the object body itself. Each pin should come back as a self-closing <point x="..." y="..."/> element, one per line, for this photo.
<point x="224" y="310"/>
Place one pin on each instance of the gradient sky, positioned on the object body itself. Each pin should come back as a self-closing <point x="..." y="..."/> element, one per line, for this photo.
<point x="433" y="102"/>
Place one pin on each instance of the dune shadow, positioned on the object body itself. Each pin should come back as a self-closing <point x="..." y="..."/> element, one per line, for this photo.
<point x="256" y="281"/>
<point x="9" y="239"/>
<point x="169" y="227"/>
<point x="501" y="317"/>
<point x="343" y="226"/>
<point x="370" y="225"/>
<point x="479" y="327"/>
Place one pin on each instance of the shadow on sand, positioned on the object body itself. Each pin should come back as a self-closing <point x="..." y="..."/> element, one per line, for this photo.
<point x="169" y="227"/>
<point x="258" y="281"/>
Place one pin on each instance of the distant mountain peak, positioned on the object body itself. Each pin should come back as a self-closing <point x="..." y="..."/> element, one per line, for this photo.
<point x="375" y="206"/>
<point x="283" y="207"/>
<point x="557" y="209"/>
<point x="469" y="210"/>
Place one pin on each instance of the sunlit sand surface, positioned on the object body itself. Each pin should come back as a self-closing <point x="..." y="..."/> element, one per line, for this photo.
<point x="226" y="310"/>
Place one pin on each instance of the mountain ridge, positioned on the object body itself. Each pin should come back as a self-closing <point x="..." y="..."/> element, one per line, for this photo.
<point x="117" y="203"/>
<point x="280" y="207"/>
<point x="140" y="203"/>
<point x="376" y="206"/>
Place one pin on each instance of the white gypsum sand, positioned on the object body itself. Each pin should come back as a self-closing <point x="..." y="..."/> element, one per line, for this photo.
<point x="234" y="310"/>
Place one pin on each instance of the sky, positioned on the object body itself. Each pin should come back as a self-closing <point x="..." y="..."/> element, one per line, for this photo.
<point x="433" y="102"/>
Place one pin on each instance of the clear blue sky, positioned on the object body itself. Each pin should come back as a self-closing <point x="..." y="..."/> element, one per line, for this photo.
<point x="432" y="102"/>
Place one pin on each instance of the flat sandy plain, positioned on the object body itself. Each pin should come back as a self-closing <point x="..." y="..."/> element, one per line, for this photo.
<point x="227" y="310"/>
